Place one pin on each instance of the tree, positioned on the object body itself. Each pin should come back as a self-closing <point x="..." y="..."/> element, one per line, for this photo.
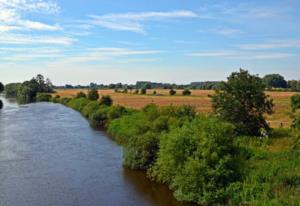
<point x="186" y="92"/>
<point x="242" y="101"/>
<point x="172" y="92"/>
<point x="1" y="87"/>
<point x="106" y="100"/>
<point x="143" y="91"/>
<point x="80" y="95"/>
<point x="295" y="102"/>
<point x="93" y="94"/>
<point x="275" y="81"/>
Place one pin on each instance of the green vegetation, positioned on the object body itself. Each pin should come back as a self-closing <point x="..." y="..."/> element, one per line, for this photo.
<point x="143" y="91"/>
<point x="274" y="81"/>
<point x="186" y="92"/>
<point x="225" y="158"/>
<point x="1" y="90"/>
<point x="172" y="92"/>
<point x="242" y="101"/>
<point x="43" y="97"/>
<point x="81" y="94"/>
<point x="93" y="94"/>
<point x="27" y="91"/>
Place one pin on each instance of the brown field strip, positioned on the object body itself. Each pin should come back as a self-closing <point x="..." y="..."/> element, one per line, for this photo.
<point x="199" y="99"/>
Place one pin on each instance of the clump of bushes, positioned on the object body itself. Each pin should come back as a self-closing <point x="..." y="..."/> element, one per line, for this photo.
<point x="143" y="91"/>
<point x="186" y="92"/>
<point x="43" y="97"/>
<point x="106" y="100"/>
<point x="93" y="94"/>
<point x="80" y="95"/>
<point x="172" y="92"/>
<point x="295" y="102"/>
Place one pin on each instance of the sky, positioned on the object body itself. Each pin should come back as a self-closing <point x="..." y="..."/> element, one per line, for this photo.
<point x="175" y="41"/>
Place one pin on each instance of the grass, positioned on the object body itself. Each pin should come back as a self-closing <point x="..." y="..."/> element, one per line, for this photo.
<point x="198" y="98"/>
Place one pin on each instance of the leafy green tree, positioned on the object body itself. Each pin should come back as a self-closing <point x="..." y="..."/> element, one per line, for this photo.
<point x="93" y="94"/>
<point x="295" y="102"/>
<point x="172" y="92"/>
<point x="186" y="92"/>
<point x="275" y="81"/>
<point x="43" y="97"/>
<point x="27" y="92"/>
<point x="106" y="100"/>
<point x="242" y="101"/>
<point x="11" y="90"/>
<point x="1" y="87"/>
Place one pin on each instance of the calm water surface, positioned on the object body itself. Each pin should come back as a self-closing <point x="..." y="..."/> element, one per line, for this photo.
<point x="50" y="156"/>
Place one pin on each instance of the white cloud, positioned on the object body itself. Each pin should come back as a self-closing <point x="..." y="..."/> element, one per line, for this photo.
<point x="242" y="55"/>
<point x="26" y="39"/>
<point x="133" y="22"/>
<point x="228" y="31"/>
<point x="275" y="44"/>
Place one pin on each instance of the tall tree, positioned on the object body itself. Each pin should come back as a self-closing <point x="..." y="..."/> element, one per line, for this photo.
<point x="242" y="101"/>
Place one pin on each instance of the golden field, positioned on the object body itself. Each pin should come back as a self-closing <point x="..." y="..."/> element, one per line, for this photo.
<point x="199" y="98"/>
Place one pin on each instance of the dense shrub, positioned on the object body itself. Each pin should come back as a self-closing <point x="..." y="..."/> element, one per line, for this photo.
<point x="198" y="161"/>
<point x="81" y="95"/>
<point x="65" y="100"/>
<point x="11" y="90"/>
<point x="116" y="112"/>
<point x="99" y="118"/>
<point x="90" y="108"/>
<point x="78" y="103"/>
<point x="93" y="94"/>
<point x="172" y="92"/>
<point x="186" y="92"/>
<point x="43" y="97"/>
<point x="56" y="99"/>
<point x="295" y="102"/>
<point x="140" y="132"/>
<point x="106" y="100"/>
<point x="143" y="91"/>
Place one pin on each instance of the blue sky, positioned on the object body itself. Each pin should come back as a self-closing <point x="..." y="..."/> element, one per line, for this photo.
<point x="177" y="41"/>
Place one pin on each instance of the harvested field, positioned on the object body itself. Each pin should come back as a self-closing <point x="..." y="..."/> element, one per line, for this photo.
<point x="199" y="98"/>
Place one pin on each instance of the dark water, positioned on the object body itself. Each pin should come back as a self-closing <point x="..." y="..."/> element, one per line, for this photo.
<point x="50" y="156"/>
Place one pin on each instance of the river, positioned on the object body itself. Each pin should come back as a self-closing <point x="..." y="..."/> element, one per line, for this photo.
<point x="49" y="155"/>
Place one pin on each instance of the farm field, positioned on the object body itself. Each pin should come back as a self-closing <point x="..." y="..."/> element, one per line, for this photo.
<point x="199" y="98"/>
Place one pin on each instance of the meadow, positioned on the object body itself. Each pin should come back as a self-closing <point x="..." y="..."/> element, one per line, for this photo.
<point x="199" y="98"/>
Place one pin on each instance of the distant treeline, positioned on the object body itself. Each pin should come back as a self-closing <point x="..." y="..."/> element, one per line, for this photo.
<point x="272" y="82"/>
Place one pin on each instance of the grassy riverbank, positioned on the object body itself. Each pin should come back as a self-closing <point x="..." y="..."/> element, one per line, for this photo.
<point x="198" y="156"/>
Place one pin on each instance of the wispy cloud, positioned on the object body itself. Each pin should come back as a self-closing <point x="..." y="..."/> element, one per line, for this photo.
<point x="242" y="55"/>
<point x="228" y="31"/>
<point x="274" y="44"/>
<point x="134" y="22"/>
<point x="31" y="40"/>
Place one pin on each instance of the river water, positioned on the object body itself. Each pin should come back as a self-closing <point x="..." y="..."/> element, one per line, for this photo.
<point x="49" y="155"/>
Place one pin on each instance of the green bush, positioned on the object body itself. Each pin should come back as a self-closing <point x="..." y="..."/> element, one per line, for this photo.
<point x="186" y="92"/>
<point x="295" y="102"/>
<point x="198" y="161"/>
<point x="56" y="99"/>
<point x="106" y="100"/>
<point x="90" y="108"/>
<point x="117" y="111"/>
<point x="78" y="103"/>
<point x="65" y="100"/>
<point x="80" y="95"/>
<point x="93" y="94"/>
<point x="100" y="117"/>
<point x="143" y="91"/>
<point x="43" y="97"/>
<point x="172" y="92"/>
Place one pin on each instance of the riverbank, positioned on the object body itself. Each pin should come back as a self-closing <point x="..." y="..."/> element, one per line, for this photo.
<point x="154" y="141"/>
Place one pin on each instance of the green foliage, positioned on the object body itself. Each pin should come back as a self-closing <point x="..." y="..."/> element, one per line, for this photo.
<point x="172" y="92"/>
<point x="78" y="103"/>
<point x="295" y="102"/>
<point x="93" y="94"/>
<point x="198" y="161"/>
<point x="274" y="81"/>
<point x="186" y="92"/>
<point x="1" y="87"/>
<point x="106" y="100"/>
<point x="56" y="99"/>
<point x="143" y="91"/>
<point x="296" y="123"/>
<point x="81" y="95"/>
<point x="11" y="90"/>
<point x="140" y="132"/>
<point x="242" y="101"/>
<point x="90" y="108"/>
<point x="65" y="100"/>
<point x="43" y="97"/>
<point x="99" y="118"/>
<point x="116" y="112"/>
